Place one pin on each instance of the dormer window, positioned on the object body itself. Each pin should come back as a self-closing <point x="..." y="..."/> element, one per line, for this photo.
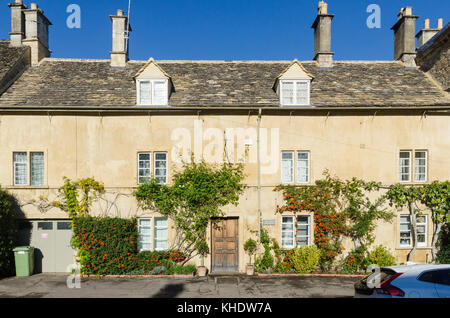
<point x="294" y="93"/>
<point x="153" y="85"/>
<point x="152" y="92"/>
<point x="293" y="86"/>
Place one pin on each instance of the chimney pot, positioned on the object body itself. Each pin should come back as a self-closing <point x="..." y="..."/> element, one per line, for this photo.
<point x="426" y="24"/>
<point x="323" y="7"/>
<point x="440" y="23"/>
<point x="34" y="6"/>
<point x="119" y="13"/>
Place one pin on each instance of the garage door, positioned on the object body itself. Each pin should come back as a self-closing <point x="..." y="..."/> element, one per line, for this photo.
<point x="52" y="242"/>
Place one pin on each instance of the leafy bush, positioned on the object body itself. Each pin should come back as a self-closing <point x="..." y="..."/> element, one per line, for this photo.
<point x="381" y="256"/>
<point x="182" y="269"/>
<point x="264" y="263"/>
<point x="443" y="255"/>
<point x="305" y="259"/>
<point x="108" y="246"/>
<point x="6" y="233"/>
<point x="356" y="261"/>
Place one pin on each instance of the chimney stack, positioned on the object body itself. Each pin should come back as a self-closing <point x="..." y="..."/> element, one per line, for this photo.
<point x="322" y="36"/>
<point x="404" y="40"/>
<point x="427" y="33"/>
<point x="30" y="28"/>
<point x="120" y="38"/>
<point x="17" y="23"/>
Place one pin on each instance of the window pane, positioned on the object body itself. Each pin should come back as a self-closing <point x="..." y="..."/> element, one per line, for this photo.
<point x="420" y="166"/>
<point x="287" y="167"/>
<point x="303" y="167"/>
<point x="287" y="93"/>
<point x="144" y="238"/>
<point x="20" y="168"/>
<point x="37" y="168"/>
<point x="144" y="167"/>
<point x="405" y="166"/>
<point x="161" y="233"/>
<point x="160" y="93"/>
<point x="302" y="93"/>
<point x="64" y="226"/>
<point x="145" y="93"/>
<point x="160" y="167"/>
<point x="287" y="232"/>
<point x="45" y="226"/>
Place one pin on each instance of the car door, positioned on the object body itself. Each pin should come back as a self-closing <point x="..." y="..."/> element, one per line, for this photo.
<point x="443" y="283"/>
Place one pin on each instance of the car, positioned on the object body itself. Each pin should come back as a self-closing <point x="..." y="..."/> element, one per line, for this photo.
<point x="406" y="281"/>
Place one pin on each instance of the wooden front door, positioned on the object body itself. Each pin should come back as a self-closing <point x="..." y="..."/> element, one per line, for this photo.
<point x="225" y="246"/>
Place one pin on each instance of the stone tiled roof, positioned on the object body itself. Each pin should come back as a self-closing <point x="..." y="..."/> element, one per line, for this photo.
<point x="12" y="62"/>
<point x="60" y="82"/>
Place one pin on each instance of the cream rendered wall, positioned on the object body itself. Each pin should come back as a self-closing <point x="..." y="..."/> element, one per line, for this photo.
<point x="106" y="148"/>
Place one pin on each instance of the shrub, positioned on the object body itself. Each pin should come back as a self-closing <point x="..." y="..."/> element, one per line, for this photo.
<point x="443" y="255"/>
<point x="356" y="261"/>
<point x="250" y="248"/>
<point x="284" y="262"/>
<point x="381" y="256"/>
<point x="264" y="263"/>
<point x="108" y="246"/>
<point x="6" y="233"/>
<point x="182" y="269"/>
<point x="305" y="259"/>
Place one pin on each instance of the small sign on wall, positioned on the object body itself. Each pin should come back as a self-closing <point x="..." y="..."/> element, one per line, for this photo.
<point x="269" y="222"/>
<point x="44" y="236"/>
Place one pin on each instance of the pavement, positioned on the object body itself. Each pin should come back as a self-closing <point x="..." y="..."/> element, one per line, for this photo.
<point x="55" y="286"/>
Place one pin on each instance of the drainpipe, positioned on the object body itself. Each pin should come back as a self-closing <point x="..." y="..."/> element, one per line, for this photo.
<point x="259" y="179"/>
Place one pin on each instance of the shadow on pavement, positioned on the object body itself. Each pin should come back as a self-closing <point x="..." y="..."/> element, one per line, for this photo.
<point x="169" y="291"/>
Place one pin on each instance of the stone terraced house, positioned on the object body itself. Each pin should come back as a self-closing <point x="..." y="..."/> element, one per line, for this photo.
<point x="122" y="121"/>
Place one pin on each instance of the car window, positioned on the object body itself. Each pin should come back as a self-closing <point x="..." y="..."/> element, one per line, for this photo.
<point x="437" y="276"/>
<point x="444" y="277"/>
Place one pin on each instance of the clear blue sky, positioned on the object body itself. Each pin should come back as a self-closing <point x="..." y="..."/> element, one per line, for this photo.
<point x="227" y="29"/>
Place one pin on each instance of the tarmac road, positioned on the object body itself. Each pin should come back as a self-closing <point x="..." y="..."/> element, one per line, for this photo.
<point x="55" y="286"/>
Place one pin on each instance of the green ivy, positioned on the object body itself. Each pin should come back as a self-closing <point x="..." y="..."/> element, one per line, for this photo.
<point x="194" y="199"/>
<point x="78" y="196"/>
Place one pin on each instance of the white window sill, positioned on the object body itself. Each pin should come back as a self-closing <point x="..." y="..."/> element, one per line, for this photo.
<point x="27" y="187"/>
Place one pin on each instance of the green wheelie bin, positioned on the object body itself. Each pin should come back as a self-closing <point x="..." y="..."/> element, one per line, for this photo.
<point x="24" y="258"/>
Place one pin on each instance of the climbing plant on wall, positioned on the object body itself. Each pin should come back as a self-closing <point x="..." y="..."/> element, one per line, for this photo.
<point x="341" y="209"/>
<point x="194" y="199"/>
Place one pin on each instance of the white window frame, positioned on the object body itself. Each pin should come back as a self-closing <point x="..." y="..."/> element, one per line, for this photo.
<point x="152" y="93"/>
<point x="295" y="102"/>
<point x="417" y="166"/>
<point x="150" y="241"/>
<point x="308" y="236"/>
<point x="425" y="225"/>
<point x="139" y="168"/>
<point x="21" y="163"/>
<point x="308" y="167"/>
<point x="152" y="234"/>
<point x="293" y="230"/>
<point x="167" y="164"/>
<point x="400" y="231"/>
<point x="292" y="181"/>
<point x="160" y="228"/>
<point x="400" y="166"/>
<point x="27" y="163"/>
